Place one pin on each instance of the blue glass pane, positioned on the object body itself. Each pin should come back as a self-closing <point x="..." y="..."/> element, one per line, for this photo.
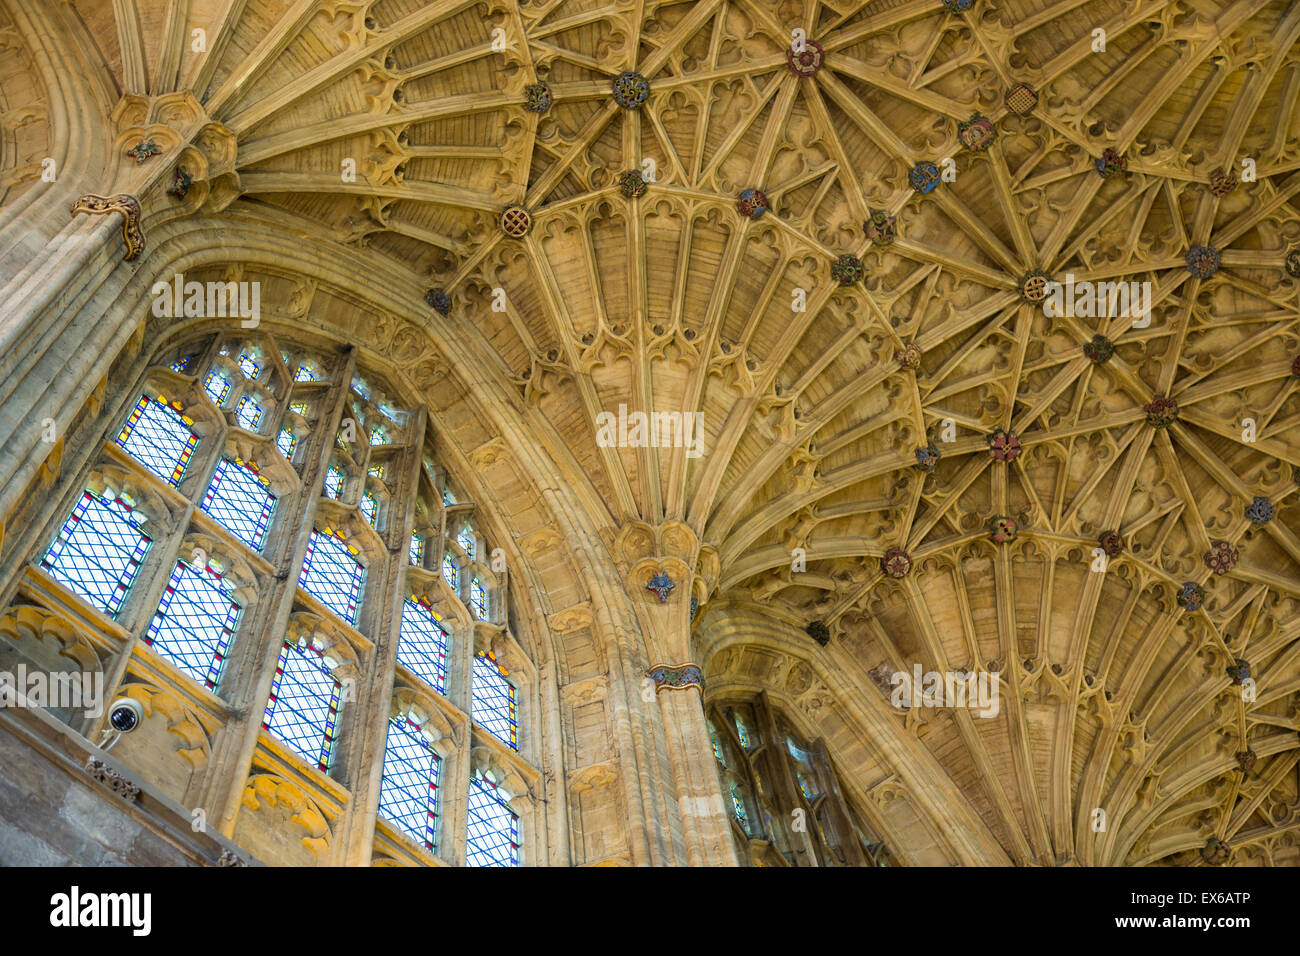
<point x="493" y="829"/>
<point x="332" y="575"/>
<point x="158" y="435"/>
<point x="194" y="623"/>
<point x="98" y="551"/>
<point x="422" y="644"/>
<point x="249" y="365"/>
<point x="408" y="785"/>
<point x="303" y="708"/>
<point x="493" y="703"/>
<point x="239" y="499"/>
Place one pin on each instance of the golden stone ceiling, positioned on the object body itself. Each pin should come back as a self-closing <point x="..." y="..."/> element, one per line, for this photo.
<point x="1117" y="697"/>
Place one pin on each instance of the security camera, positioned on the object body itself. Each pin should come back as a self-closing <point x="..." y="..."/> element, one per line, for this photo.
<point x="125" y="714"/>
<point x="123" y="717"/>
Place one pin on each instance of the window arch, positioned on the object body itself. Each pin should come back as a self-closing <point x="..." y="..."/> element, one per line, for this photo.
<point x="771" y="777"/>
<point x="197" y="527"/>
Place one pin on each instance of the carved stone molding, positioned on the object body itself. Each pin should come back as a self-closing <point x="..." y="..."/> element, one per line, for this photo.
<point x="128" y="207"/>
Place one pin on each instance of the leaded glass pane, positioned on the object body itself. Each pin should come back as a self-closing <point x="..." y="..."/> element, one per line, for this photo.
<point x="286" y="442"/>
<point x="306" y="373"/>
<point x="369" y="508"/>
<point x="334" y="482"/>
<point x="422" y="643"/>
<point x="466" y="540"/>
<point x="493" y="830"/>
<point x="331" y="573"/>
<point x="249" y="365"/>
<point x="248" y="414"/>
<point x="379" y="436"/>
<point x="478" y="598"/>
<point x="360" y="387"/>
<point x="217" y="388"/>
<point x="98" y="551"/>
<point x="417" y="550"/>
<point x="449" y="570"/>
<point x="194" y="623"/>
<point x="299" y="408"/>
<point x="493" y="700"/>
<point x="239" y="499"/>
<point x="158" y="435"/>
<point x="303" y="708"/>
<point x="408" y="784"/>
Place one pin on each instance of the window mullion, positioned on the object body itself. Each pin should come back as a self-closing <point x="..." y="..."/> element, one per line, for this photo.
<point x="232" y="763"/>
<point x="365" y="746"/>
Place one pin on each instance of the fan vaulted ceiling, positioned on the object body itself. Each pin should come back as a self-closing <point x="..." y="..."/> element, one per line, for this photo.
<point x="675" y="300"/>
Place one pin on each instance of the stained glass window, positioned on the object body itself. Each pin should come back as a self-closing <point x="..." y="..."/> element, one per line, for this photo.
<point x="422" y="643"/>
<point x="248" y="414"/>
<point x="466" y="540"/>
<point x="249" y="365"/>
<point x="217" y="388"/>
<point x="478" y="598"/>
<point x="447" y="498"/>
<point x="738" y="807"/>
<point x="194" y="623"/>
<point x="334" y="482"/>
<point x="360" y="387"/>
<point x="286" y="442"/>
<point x="493" y="700"/>
<point x="239" y="499"/>
<point x="408" y="784"/>
<point x="379" y="435"/>
<point x="376" y="471"/>
<point x="306" y="373"/>
<point x="158" y="434"/>
<point x="303" y="708"/>
<point x="369" y="508"/>
<point x="417" y="550"/>
<point x="331" y="573"/>
<point x="98" y="551"/>
<point x="493" y="826"/>
<point x="298" y="408"/>
<point x="180" y="365"/>
<point x="449" y="570"/>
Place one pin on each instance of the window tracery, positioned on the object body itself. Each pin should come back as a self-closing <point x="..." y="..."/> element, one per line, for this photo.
<point x="786" y="804"/>
<point x="271" y="496"/>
